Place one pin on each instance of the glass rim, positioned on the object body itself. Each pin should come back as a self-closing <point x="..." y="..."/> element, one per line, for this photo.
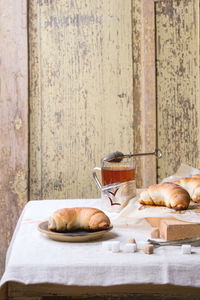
<point x="127" y="161"/>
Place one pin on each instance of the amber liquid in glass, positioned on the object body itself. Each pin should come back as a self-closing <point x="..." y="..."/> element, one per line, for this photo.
<point x="117" y="174"/>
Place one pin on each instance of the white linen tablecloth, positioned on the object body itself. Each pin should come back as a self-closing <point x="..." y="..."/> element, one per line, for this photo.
<point x="34" y="258"/>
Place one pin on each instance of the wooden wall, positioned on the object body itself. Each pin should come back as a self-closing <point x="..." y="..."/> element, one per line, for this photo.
<point x="13" y="118"/>
<point x="81" y="92"/>
<point x="178" y="110"/>
<point x="81" y="65"/>
<point x="144" y="93"/>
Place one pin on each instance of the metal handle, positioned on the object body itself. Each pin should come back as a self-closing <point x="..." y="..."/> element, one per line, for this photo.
<point x="156" y="152"/>
<point x="192" y="241"/>
<point x="118" y="156"/>
<point x="96" y="178"/>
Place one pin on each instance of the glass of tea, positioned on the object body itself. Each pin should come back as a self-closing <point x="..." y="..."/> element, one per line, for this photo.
<point x="118" y="183"/>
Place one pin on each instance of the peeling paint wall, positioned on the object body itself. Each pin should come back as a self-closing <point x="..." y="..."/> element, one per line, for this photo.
<point x="81" y="92"/>
<point x="177" y="39"/>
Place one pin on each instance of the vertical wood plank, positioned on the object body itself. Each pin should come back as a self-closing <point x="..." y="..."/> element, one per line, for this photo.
<point x="13" y="118"/>
<point x="35" y="111"/>
<point x="177" y="30"/>
<point x="144" y="89"/>
<point x="4" y="291"/>
<point x="81" y="97"/>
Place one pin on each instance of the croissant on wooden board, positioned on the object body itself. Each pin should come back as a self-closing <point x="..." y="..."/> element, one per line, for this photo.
<point x="86" y="218"/>
<point x="192" y="185"/>
<point x="166" y="194"/>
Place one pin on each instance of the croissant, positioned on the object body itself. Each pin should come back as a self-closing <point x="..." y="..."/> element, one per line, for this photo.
<point x="86" y="218"/>
<point x="196" y="176"/>
<point x="167" y="194"/>
<point x="192" y="185"/>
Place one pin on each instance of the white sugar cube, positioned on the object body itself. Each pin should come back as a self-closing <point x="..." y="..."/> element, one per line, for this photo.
<point x="132" y="241"/>
<point x="107" y="245"/>
<point x="141" y="244"/>
<point x="115" y="246"/>
<point x="186" y="249"/>
<point x="130" y="248"/>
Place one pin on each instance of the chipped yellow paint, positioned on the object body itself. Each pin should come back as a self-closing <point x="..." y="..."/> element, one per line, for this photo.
<point x="81" y="93"/>
<point x="35" y="110"/>
<point x="19" y="74"/>
<point x="19" y="186"/>
<point x="137" y="83"/>
<point x="178" y="84"/>
<point x="8" y="237"/>
<point x="18" y="122"/>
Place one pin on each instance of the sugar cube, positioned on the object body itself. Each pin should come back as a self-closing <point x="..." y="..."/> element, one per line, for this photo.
<point x="130" y="248"/>
<point x="132" y="241"/>
<point x="148" y="249"/>
<point x="115" y="246"/>
<point x="186" y="249"/>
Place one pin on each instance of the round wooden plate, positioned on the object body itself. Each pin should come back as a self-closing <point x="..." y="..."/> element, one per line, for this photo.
<point x="76" y="236"/>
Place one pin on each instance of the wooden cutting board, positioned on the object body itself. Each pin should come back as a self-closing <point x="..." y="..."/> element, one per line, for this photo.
<point x="173" y="229"/>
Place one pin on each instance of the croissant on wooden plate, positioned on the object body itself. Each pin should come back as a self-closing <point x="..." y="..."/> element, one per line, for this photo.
<point x="166" y="194"/>
<point x="70" y="219"/>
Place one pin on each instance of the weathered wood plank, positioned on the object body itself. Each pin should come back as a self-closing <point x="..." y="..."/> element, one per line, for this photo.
<point x="13" y="118"/>
<point x="35" y="111"/>
<point x="144" y="89"/>
<point x="35" y="290"/>
<point x="4" y="292"/>
<point x="29" y="298"/>
<point x="81" y="96"/>
<point x="177" y="31"/>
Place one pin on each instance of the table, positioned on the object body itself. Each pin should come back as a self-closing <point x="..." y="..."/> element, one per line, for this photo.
<point x="37" y="266"/>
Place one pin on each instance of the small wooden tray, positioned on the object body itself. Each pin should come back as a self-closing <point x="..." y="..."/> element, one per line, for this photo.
<point x="173" y="229"/>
